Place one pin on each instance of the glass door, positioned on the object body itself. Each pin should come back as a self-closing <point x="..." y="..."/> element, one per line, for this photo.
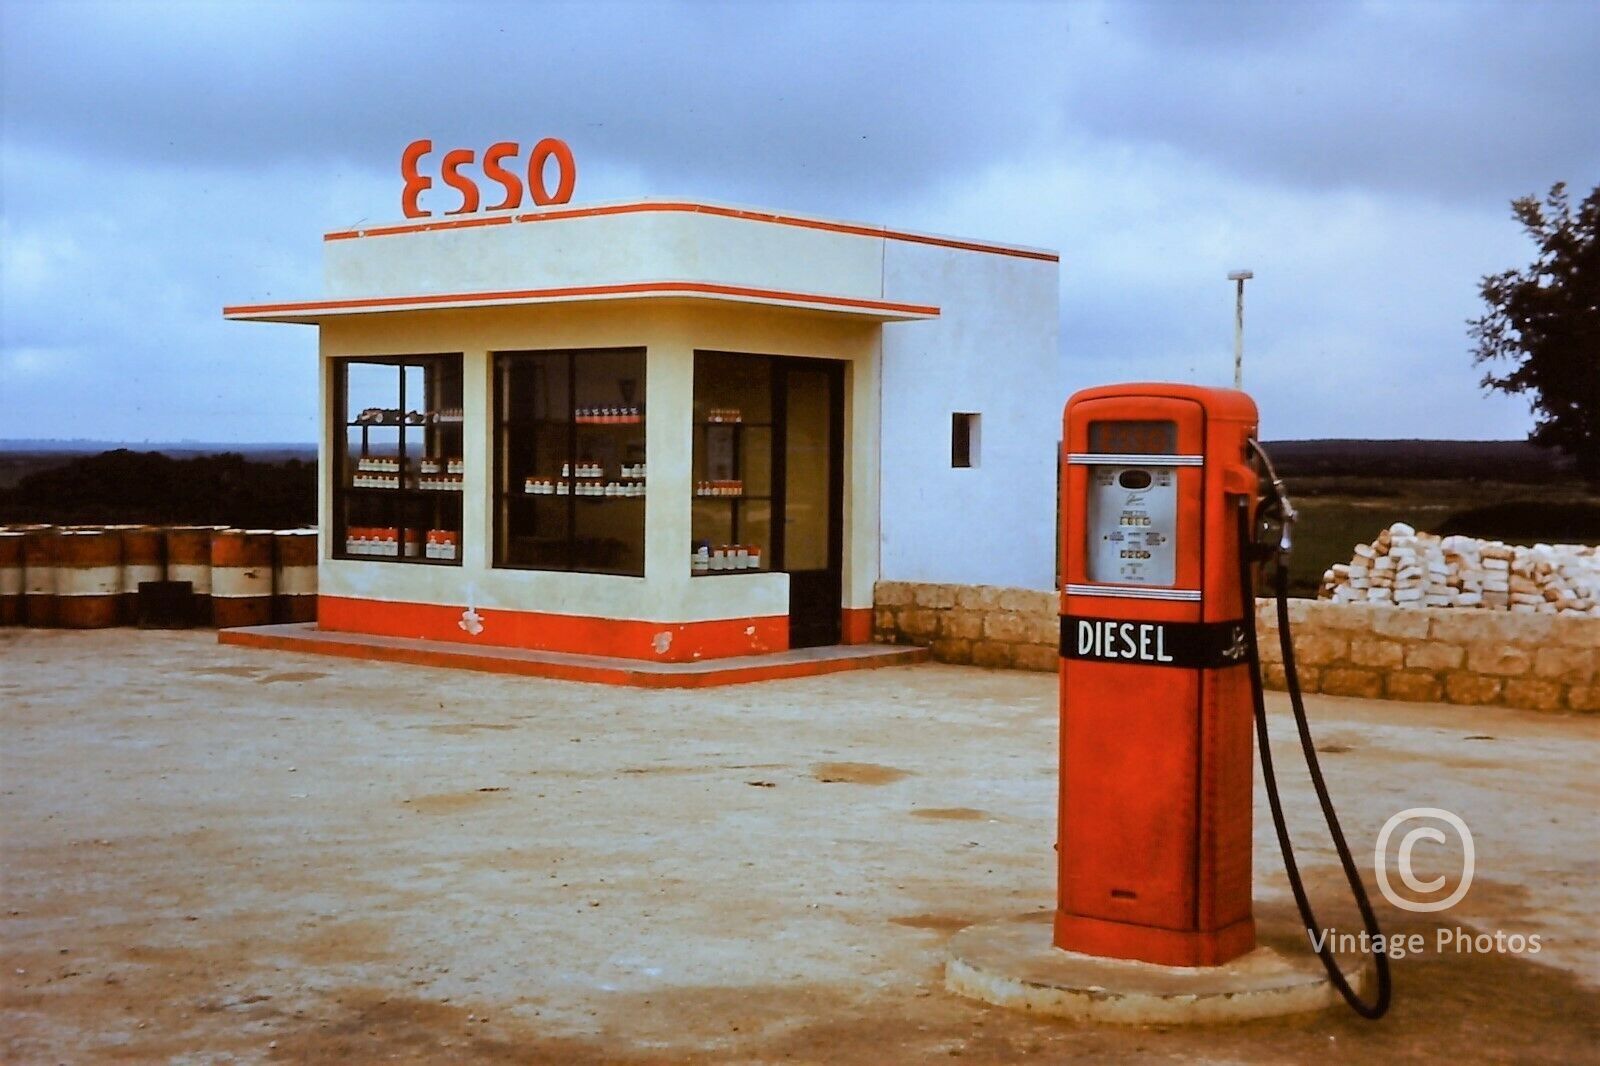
<point x="769" y="480"/>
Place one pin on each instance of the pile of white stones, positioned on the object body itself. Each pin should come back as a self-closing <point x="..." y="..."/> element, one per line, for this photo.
<point x="1404" y="568"/>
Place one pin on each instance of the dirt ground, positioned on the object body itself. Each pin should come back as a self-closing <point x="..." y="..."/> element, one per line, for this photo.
<point x="221" y="855"/>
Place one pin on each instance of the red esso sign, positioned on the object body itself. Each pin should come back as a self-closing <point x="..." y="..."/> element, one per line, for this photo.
<point x="497" y="161"/>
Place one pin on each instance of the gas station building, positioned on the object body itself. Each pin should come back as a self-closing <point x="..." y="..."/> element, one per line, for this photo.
<point x="673" y="431"/>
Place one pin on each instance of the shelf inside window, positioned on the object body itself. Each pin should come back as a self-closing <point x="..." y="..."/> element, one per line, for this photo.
<point x="421" y="509"/>
<point x="563" y="408"/>
<point x="348" y="556"/>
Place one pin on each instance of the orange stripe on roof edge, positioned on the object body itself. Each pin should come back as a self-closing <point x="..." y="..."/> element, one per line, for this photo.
<point x="693" y="208"/>
<point x="663" y="288"/>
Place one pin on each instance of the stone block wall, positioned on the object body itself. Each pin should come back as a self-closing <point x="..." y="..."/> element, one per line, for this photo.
<point x="1449" y="655"/>
<point x="979" y="625"/>
<point x="1541" y="662"/>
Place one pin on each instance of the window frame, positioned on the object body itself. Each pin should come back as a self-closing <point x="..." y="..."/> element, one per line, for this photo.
<point x="509" y="484"/>
<point x="407" y="499"/>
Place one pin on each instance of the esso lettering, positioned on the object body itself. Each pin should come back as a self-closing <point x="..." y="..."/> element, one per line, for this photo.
<point x="497" y="163"/>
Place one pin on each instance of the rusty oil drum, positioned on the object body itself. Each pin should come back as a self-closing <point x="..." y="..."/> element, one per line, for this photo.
<point x="188" y="550"/>
<point x="143" y="559"/>
<point x="294" y="594"/>
<point x="241" y="577"/>
<point x="39" y="576"/>
<point x="11" y="580"/>
<point x="88" y="578"/>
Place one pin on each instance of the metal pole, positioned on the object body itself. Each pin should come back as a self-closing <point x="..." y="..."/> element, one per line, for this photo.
<point x="1238" y="277"/>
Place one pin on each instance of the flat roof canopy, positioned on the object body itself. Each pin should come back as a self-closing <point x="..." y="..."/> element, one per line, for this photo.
<point x="641" y="250"/>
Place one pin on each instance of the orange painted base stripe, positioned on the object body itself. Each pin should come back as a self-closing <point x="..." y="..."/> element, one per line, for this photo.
<point x="855" y="625"/>
<point x="665" y="642"/>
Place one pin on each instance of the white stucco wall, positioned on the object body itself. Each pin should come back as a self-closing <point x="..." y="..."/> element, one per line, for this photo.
<point x="993" y="350"/>
<point x="990" y="348"/>
<point x="562" y="248"/>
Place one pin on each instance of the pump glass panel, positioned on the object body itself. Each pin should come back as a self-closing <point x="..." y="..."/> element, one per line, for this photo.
<point x="1133" y="438"/>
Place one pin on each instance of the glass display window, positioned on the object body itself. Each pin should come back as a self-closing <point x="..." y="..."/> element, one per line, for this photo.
<point x="570" y="460"/>
<point x="397" y="470"/>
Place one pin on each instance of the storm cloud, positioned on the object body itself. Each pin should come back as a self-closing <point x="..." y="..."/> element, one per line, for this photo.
<point x="160" y="160"/>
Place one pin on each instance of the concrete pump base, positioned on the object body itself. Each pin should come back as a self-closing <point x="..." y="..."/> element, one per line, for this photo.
<point x="1013" y="963"/>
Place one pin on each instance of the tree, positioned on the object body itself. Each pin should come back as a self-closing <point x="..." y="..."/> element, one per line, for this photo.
<point x="1546" y="320"/>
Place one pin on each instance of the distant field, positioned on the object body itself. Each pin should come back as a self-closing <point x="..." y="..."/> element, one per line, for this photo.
<point x="1348" y="490"/>
<point x="1336" y="514"/>
<point x="19" y="458"/>
<point x="1514" y="461"/>
<point x="250" y="487"/>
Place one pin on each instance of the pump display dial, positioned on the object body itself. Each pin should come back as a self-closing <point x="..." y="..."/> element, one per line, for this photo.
<point x="1132" y="519"/>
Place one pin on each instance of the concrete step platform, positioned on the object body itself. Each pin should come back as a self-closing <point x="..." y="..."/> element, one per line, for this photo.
<point x="1013" y="963"/>
<point x="597" y="669"/>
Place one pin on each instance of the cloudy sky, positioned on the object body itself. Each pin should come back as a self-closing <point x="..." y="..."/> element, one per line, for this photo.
<point x="160" y="160"/>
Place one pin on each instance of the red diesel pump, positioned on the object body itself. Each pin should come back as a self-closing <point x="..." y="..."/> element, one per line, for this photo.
<point x="1155" y="697"/>
<point x="1160" y="681"/>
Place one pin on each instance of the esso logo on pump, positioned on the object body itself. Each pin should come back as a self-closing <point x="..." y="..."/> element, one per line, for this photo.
<point x="495" y="168"/>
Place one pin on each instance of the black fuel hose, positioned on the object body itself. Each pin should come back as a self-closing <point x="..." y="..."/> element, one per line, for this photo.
<point x="1320" y="941"/>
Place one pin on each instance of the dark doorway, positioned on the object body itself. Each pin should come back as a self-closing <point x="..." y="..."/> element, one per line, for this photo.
<point x="812" y="475"/>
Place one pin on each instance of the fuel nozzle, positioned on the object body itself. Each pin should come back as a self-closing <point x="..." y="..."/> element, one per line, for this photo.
<point x="1275" y="510"/>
